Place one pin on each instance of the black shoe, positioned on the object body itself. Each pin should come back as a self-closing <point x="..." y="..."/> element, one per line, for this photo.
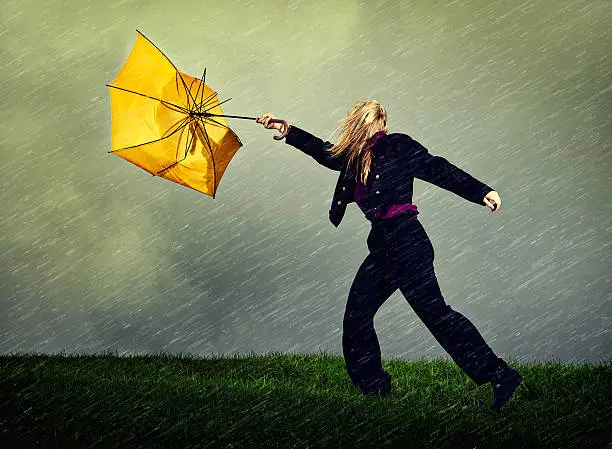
<point x="506" y="380"/>
<point x="383" y="392"/>
<point x="377" y="386"/>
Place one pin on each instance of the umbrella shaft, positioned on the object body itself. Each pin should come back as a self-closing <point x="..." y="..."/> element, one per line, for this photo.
<point x="205" y="114"/>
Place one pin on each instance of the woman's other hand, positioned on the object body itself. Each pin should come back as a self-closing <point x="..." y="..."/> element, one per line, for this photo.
<point x="492" y="196"/>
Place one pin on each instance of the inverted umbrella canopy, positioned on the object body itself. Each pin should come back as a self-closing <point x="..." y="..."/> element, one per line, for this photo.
<point x="169" y="123"/>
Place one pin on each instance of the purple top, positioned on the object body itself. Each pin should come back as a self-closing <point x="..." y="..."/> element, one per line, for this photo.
<point x="361" y="193"/>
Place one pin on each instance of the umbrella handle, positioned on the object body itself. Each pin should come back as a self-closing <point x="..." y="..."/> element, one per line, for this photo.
<point x="283" y="133"/>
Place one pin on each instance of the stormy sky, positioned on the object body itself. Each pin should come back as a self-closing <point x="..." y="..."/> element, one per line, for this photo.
<point x="98" y="255"/>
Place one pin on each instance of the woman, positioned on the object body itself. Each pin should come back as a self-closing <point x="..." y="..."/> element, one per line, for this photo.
<point x="377" y="171"/>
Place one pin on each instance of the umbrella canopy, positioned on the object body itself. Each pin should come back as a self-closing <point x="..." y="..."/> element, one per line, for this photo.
<point x="169" y="123"/>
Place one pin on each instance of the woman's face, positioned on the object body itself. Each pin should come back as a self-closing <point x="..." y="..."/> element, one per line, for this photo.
<point x="383" y="125"/>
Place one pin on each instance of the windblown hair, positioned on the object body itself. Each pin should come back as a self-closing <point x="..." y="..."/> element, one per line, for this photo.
<point x="363" y="120"/>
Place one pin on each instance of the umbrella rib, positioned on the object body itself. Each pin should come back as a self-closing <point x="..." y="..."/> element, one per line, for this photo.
<point x="179" y="108"/>
<point x="186" y="90"/>
<point x="195" y="101"/>
<point x="174" y="163"/>
<point x="178" y="91"/>
<point x="153" y="141"/>
<point x="209" y="98"/>
<point x="201" y="85"/>
<point x="189" y="144"/>
<point x="171" y="63"/>
<point x="175" y="123"/>
<point x="198" y="106"/>
<point x="212" y="107"/>
<point x="168" y="59"/>
<point x="191" y="138"/>
<point x="205" y="134"/>
<point x="212" y="158"/>
<point x="206" y="101"/>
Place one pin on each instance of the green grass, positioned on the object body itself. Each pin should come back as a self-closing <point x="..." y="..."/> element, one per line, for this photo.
<point x="290" y="401"/>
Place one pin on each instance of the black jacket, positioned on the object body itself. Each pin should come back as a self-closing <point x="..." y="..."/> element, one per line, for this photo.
<point x="397" y="160"/>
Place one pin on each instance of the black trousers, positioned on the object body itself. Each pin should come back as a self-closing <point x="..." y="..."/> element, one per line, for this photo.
<point x="401" y="256"/>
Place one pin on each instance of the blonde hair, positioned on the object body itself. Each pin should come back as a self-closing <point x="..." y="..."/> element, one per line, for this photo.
<point x="363" y="120"/>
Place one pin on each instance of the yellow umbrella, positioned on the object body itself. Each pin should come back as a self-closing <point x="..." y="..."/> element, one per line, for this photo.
<point x="170" y="123"/>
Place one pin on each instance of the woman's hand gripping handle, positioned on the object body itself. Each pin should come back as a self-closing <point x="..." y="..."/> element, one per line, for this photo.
<point x="270" y="121"/>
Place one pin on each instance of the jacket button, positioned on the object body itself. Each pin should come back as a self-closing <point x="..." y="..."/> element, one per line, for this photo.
<point x="377" y="176"/>
<point x="343" y="188"/>
<point x="377" y="192"/>
<point x="339" y="202"/>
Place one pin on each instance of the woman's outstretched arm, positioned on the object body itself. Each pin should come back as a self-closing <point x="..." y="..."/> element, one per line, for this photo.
<point x="314" y="147"/>
<point x="442" y="173"/>
<point x="305" y="142"/>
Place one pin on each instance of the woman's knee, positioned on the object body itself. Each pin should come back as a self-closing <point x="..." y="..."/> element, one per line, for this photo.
<point x="358" y="318"/>
<point x="435" y="315"/>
